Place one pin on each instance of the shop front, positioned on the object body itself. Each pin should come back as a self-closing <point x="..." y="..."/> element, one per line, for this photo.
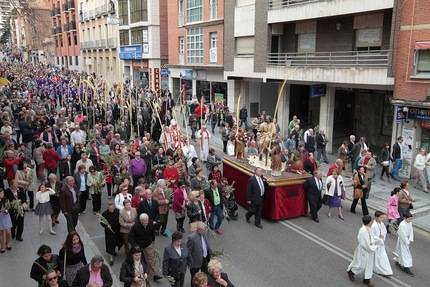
<point x="412" y="122"/>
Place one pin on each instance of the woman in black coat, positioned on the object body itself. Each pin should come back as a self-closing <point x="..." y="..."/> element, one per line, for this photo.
<point x="216" y="277"/>
<point x="176" y="259"/>
<point x="133" y="270"/>
<point x="113" y="237"/>
<point x="45" y="262"/>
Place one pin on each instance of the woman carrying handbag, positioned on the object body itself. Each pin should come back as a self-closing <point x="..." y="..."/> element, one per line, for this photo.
<point x="360" y="182"/>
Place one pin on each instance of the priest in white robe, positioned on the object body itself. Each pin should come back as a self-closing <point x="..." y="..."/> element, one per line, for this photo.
<point x="379" y="231"/>
<point x="405" y="233"/>
<point x="364" y="254"/>
<point x="189" y="152"/>
<point x="204" y="136"/>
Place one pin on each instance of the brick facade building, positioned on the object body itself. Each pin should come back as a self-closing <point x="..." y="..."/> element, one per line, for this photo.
<point x="411" y="63"/>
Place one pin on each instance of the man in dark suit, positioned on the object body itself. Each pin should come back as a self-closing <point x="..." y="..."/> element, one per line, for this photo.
<point x="255" y="191"/>
<point x="69" y="202"/>
<point x="176" y="259"/>
<point x="142" y="234"/>
<point x="81" y="180"/>
<point x="150" y="207"/>
<point x="15" y="193"/>
<point x="321" y="145"/>
<point x="65" y="167"/>
<point x="397" y="158"/>
<point x="313" y="187"/>
<point x="199" y="249"/>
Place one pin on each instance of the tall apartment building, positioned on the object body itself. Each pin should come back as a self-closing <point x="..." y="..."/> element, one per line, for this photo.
<point x="334" y="55"/>
<point x="99" y="39"/>
<point x="412" y="77"/>
<point x="4" y="13"/>
<point x="143" y="41"/>
<point x="196" y="40"/>
<point x="31" y="31"/>
<point x="65" y="31"/>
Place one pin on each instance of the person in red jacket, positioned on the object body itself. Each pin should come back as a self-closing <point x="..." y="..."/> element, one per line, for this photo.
<point x="10" y="164"/>
<point x="139" y="195"/>
<point x="51" y="158"/>
<point x="171" y="174"/>
<point x="200" y="114"/>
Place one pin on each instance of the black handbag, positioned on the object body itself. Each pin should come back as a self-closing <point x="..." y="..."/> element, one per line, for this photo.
<point x="411" y="206"/>
<point x="325" y="199"/>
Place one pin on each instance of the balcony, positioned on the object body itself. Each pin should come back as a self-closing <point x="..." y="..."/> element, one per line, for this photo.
<point x="56" y="30"/>
<point x="72" y="25"/>
<point x="298" y="10"/>
<point x="104" y="10"/>
<point x="56" y="12"/>
<point x="70" y="5"/>
<point x="349" y="67"/>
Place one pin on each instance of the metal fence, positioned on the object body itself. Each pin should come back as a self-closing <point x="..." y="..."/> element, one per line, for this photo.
<point x="378" y="58"/>
<point x="279" y="4"/>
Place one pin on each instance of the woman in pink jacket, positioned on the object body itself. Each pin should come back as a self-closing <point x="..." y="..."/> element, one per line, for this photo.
<point x="393" y="207"/>
<point x="179" y="205"/>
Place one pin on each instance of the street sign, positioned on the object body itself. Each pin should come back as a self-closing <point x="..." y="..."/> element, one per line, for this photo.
<point x="164" y="72"/>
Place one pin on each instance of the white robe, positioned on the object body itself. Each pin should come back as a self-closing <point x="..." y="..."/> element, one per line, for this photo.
<point x="189" y="152"/>
<point x="364" y="254"/>
<point x="382" y="263"/>
<point x="405" y="235"/>
<point x="204" y="143"/>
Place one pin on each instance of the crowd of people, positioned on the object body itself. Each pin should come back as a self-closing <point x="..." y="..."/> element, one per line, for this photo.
<point x="61" y="148"/>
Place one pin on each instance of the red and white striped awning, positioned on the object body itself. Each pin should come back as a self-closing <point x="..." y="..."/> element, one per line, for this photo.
<point x="423" y="45"/>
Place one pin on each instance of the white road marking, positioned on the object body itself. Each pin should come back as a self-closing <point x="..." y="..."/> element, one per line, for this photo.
<point x="392" y="281"/>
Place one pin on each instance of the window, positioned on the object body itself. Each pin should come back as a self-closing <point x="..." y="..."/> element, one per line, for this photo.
<point x="194" y="10"/>
<point x="138" y="11"/>
<point x="76" y="60"/>
<point x="213" y="7"/>
<point x="124" y="38"/>
<point x="244" y="2"/>
<point x="137" y="36"/>
<point x="244" y="45"/>
<point x="368" y="38"/>
<point x="194" y="46"/>
<point x="181" y="50"/>
<point x="123" y="12"/>
<point x="422" y="63"/>
<point x="70" y="60"/>
<point x="213" y="48"/>
<point x="69" y="39"/>
<point x="75" y="37"/>
<point x="180" y="12"/>
<point x="306" y="43"/>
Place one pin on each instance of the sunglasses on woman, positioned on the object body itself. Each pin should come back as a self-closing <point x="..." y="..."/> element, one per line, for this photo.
<point x="52" y="278"/>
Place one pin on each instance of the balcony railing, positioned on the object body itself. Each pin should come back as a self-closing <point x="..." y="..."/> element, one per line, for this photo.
<point x="56" y="11"/>
<point x="279" y="4"/>
<point x="99" y="44"/>
<point x="103" y="10"/>
<point x="369" y="59"/>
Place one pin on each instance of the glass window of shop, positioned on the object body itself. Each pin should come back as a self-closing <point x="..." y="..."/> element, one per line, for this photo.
<point x="219" y="92"/>
<point x="188" y="85"/>
<point x="124" y="38"/>
<point x="203" y="90"/>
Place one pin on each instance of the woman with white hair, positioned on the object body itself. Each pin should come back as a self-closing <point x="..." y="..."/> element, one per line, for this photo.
<point x="216" y="277"/>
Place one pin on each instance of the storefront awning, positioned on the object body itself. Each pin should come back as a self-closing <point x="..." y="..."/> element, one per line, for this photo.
<point x="423" y="45"/>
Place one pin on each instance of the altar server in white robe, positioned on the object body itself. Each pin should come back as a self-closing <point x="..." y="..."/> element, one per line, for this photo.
<point x="204" y="135"/>
<point x="364" y="254"/>
<point x="379" y="231"/>
<point x="405" y="233"/>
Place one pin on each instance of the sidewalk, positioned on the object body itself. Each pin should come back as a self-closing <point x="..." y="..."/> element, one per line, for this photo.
<point x="15" y="265"/>
<point x="380" y="191"/>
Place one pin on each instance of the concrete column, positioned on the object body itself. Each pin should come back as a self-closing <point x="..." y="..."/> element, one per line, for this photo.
<point x="327" y="104"/>
<point x="194" y="85"/>
<point x="284" y="110"/>
<point x="231" y="96"/>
